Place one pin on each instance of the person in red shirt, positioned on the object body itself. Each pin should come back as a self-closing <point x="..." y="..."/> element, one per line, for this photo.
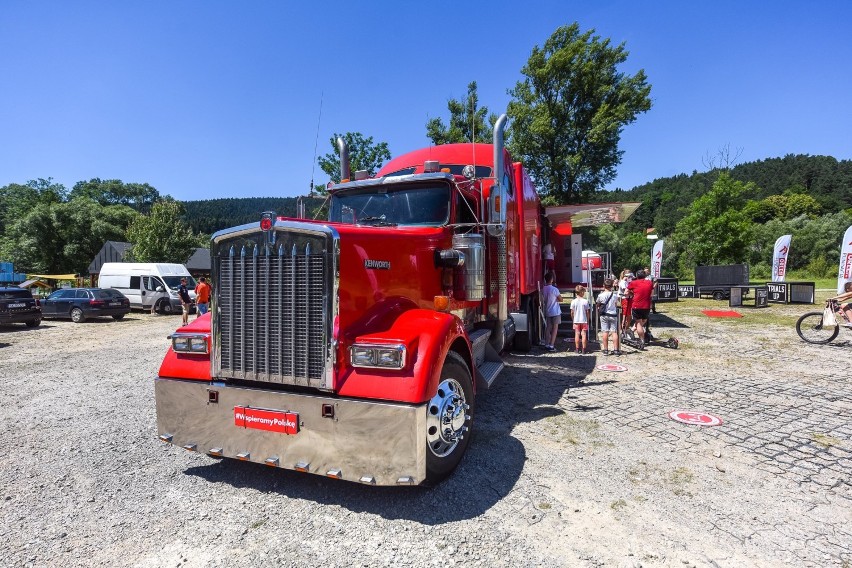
<point x="641" y="289"/>
<point x="202" y="296"/>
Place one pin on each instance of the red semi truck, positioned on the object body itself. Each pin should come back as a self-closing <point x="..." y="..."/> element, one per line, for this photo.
<point x="354" y="348"/>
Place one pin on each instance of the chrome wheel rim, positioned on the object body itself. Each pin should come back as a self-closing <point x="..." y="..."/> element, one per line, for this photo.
<point x="447" y="415"/>
<point x="76" y="315"/>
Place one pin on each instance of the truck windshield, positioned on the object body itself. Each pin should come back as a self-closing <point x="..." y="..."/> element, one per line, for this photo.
<point x="420" y="205"/>
<point x="174" y="281"/>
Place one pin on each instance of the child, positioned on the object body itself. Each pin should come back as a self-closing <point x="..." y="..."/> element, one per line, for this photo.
<point x="580" y="316"/>
<point x="608" y="302"/>
<point x="550" y="297"/>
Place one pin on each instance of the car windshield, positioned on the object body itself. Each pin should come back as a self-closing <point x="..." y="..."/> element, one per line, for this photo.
<point x="418" y="205"/>
<point x="173" y="282"/>
<point x="12" y="294"/>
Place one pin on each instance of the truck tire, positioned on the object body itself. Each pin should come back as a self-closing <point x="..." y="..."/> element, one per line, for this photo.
<point x="77" y="315"/>
<point x="449" y="419"/>
<point x="718" y="295"/>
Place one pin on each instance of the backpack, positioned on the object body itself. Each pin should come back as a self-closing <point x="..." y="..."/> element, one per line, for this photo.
<point x="609" y="304"/>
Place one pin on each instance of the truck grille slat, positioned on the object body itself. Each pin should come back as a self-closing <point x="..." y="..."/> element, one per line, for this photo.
<point x="273" y="318"/>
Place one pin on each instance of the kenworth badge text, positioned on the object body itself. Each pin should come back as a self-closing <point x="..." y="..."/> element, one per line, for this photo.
<point x="354" y="348"/>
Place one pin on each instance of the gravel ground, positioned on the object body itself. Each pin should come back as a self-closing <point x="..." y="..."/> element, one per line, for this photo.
<point x="570" y="465"/>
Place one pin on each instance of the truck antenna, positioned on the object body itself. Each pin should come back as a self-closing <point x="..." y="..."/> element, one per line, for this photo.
<point x="316" y="142"/>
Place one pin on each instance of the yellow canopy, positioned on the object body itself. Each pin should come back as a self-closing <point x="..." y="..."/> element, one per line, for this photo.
<point x="54" y="276"/>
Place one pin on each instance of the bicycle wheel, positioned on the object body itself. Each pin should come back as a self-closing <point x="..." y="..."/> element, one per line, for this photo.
<point x="810" y="328"/>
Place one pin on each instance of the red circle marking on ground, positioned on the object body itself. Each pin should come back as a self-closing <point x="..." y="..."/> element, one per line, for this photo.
<point x="696" y="418"/>
<point x="611" y="367"/>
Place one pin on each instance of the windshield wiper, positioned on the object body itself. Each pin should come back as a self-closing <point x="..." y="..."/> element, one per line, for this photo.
<point x="376" y="222"/>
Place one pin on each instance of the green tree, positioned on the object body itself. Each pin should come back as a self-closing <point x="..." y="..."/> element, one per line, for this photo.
<point x="569" y="111"/>
<point x="717" y="230"/>
<point x="17" y="200"/>
<point x="161" y="236"/>
<point x="467" y="121"/>
<point x="64" y="237"/>
<point x="84" y="225"/>
<point x="139" y="196"/>
<point x="364" y="154"/>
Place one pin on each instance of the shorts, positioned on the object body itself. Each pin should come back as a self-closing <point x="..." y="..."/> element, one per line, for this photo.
<point x="202" y="308"/>
<point x="640" y="314"/>
<point x="554" y="321"/>
<point x="581" y="326"/>
<point x="608" y="323"/>
<point x="185" y="309"/>
<point x="549" y="264"/>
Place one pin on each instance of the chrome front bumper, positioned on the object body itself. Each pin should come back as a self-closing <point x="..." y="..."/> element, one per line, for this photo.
<point x="378" y="443"/>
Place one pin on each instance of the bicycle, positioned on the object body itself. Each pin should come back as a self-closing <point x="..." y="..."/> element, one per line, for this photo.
<point x="822" y="327"/>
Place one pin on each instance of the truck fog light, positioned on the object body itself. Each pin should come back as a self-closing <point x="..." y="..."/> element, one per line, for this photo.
<point x="190" y="343"/>
<point x="377" y="356"/>
<point x="363" y="357"/>
<point x="389" y="357"/>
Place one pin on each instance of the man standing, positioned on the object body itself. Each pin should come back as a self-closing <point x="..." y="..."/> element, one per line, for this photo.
<point x="641" y="288"/>
<point x="202" y="297"/>
<point x="185" y="300"/>
<point x="654" y="291"/>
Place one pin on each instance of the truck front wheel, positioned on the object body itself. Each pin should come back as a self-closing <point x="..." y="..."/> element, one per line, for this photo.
<point x="449" y="419"/>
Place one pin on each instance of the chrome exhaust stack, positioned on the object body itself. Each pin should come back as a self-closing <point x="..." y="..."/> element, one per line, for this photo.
<point x="344" y="159"/>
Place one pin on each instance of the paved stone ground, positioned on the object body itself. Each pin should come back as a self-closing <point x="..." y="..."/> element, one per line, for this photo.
<point x="786" y="410"/>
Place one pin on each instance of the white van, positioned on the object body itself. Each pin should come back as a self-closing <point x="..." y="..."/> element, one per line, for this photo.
<point x="148" y="284"/>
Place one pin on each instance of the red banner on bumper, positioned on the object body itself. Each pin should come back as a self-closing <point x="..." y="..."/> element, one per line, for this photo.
<point x="269" y="420"/>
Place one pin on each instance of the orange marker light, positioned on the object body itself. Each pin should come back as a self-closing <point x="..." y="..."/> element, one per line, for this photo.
<point x="442" y="303"/>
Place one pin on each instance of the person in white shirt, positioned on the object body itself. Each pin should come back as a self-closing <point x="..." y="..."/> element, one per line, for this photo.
<point x="608" y="302"/>
<point x="550" y="298"/>
<point x="580" y="316"/>
<point x="548" y="257"/>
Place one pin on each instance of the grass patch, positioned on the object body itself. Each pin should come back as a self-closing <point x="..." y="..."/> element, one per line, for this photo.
<point x="258" y="524"/>
<point x="825" y="440"/>
<point x="565" y="428"/>
<point x="544" y="506"/>
<point x="681" y="475"/>
<point x="618" y="505"/>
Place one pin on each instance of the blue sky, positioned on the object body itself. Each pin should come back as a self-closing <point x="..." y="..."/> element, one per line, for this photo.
<point x="221" y="99"/>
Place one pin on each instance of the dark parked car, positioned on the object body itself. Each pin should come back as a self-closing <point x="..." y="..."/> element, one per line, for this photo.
<point x="18" y="306"/>
<point x="81" y="303"/>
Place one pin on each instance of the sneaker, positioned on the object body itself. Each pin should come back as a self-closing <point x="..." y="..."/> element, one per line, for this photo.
<point x="617" y="352"/>
<point x="586" y="352"/>
<point x="550" y="347"/>
<point x="579" y="352"/>
<point x="605" y="352"/>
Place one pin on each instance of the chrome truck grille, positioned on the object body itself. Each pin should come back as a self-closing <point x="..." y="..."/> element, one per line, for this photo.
<point x="275" y="297"/>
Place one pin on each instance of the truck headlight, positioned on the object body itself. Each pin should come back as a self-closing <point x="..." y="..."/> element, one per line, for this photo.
<point x="189" y="343"/>
<point x="377" y="356"/>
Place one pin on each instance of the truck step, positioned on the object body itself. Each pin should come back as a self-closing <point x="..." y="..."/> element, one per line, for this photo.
<point x="478" y="341"/>
<point x="487" y="373"/>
